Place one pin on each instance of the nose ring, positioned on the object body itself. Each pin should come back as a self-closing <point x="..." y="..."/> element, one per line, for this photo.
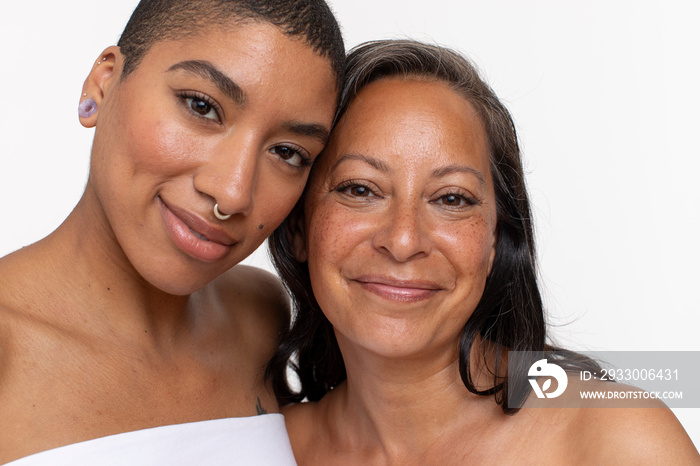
<point x="219" y="215"/>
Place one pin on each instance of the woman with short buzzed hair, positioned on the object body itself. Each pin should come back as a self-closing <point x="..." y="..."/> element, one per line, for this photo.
<point x="130" y="335"/>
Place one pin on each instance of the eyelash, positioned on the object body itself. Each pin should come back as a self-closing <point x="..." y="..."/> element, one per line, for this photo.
<point x="305" y="159"/>
<point x="186" y="96"/>
<point x="344" y="186"/>
<point x="467" y="200"/>
<point x="198" y="96"/>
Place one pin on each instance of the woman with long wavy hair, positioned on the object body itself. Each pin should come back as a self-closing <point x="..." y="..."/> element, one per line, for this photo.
<point x="411" y="263"/>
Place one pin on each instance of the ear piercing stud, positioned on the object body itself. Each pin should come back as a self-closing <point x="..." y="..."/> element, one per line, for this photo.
<point x="219" y="215"/>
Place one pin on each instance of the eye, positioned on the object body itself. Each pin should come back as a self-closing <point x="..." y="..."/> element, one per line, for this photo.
<point x="295" y="157"/>
<point x="202" y="108"/>
<point x="360" y="191"/>
<point x="455" y="200"/>
<point x="452" y="200"/>
<point x="355" y="189"/>
<point x="202" y="105"/>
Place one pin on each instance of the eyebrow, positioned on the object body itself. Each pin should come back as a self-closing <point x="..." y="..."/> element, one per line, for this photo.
<point x="437" y="173"/>
<point x="316" y="131"/>
<point x="375" y="163"/>
<point x="442" y="171"/>
<point x="208" y="71"/>
<point x="226" y="85"/>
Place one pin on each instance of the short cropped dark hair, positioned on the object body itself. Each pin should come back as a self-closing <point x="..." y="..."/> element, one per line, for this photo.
<point x="510" y="314"/>
<point x="157" y="20"/>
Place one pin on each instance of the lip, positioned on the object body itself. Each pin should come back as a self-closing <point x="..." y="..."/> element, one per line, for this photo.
<point x="182" y="226"/>
<point x="396" y="289"/>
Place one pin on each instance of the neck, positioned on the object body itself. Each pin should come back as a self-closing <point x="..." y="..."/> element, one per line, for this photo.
<point x="82" y="263"/>
<point x="405" y="408"/>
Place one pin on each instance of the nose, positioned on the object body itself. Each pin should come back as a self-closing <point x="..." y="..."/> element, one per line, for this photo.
<point x="229" y="176"/>
<point x="404" y="234"/>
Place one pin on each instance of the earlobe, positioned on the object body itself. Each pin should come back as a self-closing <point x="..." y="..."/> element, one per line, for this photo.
<point x="102" y="77"/>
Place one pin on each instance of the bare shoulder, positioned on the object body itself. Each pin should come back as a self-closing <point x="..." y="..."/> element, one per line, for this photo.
<point x="256" y="296"/>
<point x="635" y="435"/>
<point x="22" y="284"/>
<point x="20" y="328"/>
<point x="14" y="305"/>
<point x="4" y="340"/>
<point x="636" y="431"/>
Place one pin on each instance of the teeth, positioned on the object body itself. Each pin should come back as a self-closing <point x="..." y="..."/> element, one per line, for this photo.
<point x="199" y="235"/>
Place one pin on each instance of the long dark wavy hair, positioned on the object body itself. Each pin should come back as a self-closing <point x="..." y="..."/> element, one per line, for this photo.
<point x="510" y="314"/>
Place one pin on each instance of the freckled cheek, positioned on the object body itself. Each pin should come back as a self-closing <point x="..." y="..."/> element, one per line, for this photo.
<point x="333" y="234"/>
<point x="320" y="236"/>
<point x="468" y="247"/>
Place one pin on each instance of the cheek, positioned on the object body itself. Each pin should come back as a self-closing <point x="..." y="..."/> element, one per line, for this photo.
<point x="334" y="234"/>
<point x="149" y="136"/>
<point x="331" y="243"/>
<point x="274" y="206"/>
<point x="164" y="147"/>
<point x="322" y="236"/>
<point x="468" y="246"/>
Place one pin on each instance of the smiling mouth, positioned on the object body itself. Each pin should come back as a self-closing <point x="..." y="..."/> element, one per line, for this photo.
<point x="399" y="290"/>
<point x="210" y="247"/>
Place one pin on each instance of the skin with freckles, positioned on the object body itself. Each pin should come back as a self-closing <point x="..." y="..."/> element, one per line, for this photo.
<point x="398" y="231"/>
<point x="415" y="202"/>
<point x="133" y="312"/>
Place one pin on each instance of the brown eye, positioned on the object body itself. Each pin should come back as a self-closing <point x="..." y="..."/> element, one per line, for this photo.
<point x="200" y="106"/>
<point x="292" y="156"/>
<point x="354" y="189"/>
<point x="455" y="200"/>
<point x="359" y="191"/>
<point x="452" y="200"/>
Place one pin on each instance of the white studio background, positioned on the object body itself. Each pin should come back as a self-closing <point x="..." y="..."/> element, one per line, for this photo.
<point x="605" y="99"/>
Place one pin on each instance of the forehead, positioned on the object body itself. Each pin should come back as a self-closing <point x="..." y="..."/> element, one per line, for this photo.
<point x="236" y="40"/>
<point x="412" y="121"/>
<point x="270" y="67"/>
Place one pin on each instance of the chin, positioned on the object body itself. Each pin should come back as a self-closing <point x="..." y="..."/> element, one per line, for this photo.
<point x="399" y="343"/>
<point x="178" y="279"/>
<point x="178" y="286"/>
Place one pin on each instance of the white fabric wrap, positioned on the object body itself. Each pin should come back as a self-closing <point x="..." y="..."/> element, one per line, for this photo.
<point x="257" y="440"/>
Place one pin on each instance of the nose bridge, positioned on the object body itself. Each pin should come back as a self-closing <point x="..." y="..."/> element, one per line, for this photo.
<point x="404" y="234"/>
<point x="230" y="175"/>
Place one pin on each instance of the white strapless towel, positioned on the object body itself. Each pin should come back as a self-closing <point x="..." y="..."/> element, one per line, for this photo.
<point x="257" y="440"/>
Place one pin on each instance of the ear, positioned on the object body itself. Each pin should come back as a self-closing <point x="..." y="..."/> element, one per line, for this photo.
<point x="296" y="232"/>
<point x="103" y="77"/>
<point x="494" y="247"/>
